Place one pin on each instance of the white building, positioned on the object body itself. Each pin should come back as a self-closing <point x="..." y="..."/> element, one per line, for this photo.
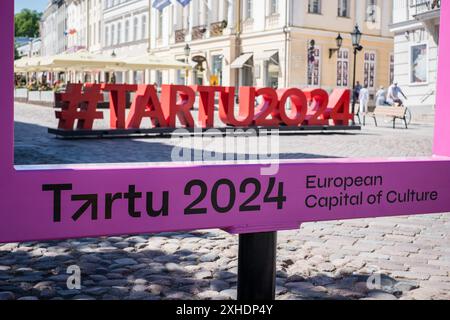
<point x="126" y="32"/>
<point x="30" y="49"/>
<point x="95" y="25"/>
<point x="239" y="42"/>
<point x="416" y="29"/>
<point x="53" y="28"/>
<point x="84" y="22"/>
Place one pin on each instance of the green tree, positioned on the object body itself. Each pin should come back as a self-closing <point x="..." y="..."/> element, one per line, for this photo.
<point x="26" y="23"/>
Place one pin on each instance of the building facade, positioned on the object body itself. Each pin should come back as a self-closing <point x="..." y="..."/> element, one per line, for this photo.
<point x="416" y="29"/>
<point x="242" y="42"/>
<point x="126" y="33"/>
<point x="265" y="43"/>
<point x="53" y="28"/>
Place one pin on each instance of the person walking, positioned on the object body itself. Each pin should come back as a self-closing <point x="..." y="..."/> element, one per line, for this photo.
<point x="356" y="91"/>
<point x="381" y="97"/>
<point x="364" y="102"/>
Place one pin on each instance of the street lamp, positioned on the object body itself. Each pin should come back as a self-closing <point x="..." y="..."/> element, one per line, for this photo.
<point x="187" y="53"/>
<point x="356" y="37"/>
<point x="356" y="42"/>
<point x="338" y="44"/>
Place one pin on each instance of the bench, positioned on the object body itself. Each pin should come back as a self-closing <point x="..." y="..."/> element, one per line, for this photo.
<point x="358" y="113"/>
<point x="388" y="111"/>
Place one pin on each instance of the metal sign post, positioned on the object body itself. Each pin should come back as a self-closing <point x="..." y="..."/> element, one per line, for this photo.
<point x="257" y="266"/>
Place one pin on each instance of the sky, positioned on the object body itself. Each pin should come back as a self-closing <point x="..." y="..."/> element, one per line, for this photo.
<point x="38" y="5"/>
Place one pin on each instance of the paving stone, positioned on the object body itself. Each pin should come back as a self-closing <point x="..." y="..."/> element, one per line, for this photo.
<point x="29" y="298"/>
<point x="404" y="286"/>
<point x="219" y="285"/>
<point x="96" y="291"/>
<point x="211" y="257"/>
<point x="231" y="293"/>
<point x="126" y="262"/>
<point x="7" y="295"/>
<point x="203" y="274"/>
<point x="380" y="295"/>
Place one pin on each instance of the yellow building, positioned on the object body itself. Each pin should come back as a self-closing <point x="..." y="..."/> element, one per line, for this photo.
<point x="268" y="42"/>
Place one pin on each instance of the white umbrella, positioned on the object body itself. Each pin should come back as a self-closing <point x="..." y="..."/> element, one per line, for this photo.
<point x="154" y="62"/>
<point x="79" y="61"/>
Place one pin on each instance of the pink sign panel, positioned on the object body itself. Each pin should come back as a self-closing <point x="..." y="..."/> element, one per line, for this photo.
<point x="67" y="201"/>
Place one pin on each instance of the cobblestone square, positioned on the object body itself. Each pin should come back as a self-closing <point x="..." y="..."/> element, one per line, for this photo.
<point x="387" y="258"/>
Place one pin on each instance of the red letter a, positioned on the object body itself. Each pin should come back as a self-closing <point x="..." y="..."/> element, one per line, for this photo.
<point x="145" y="104"/>
<point x="181" y="109"/>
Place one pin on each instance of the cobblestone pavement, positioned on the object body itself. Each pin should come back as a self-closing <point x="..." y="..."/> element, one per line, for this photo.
<point x="400" y="258"/>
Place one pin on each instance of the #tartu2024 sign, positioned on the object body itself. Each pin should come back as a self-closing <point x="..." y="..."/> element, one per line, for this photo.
<point x="177" y="102"/>
<point x="66" y="201"/>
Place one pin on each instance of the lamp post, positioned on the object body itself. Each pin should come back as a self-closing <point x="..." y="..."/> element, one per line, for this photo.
<point x="356" y="42"/>
<point x="187" y="53"/>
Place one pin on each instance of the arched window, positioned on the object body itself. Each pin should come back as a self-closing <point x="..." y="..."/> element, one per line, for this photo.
<point x="144" y="27"/>
<point x="119" y="33"/>
<point x="127" y="31"/>
<point x="135" y="29"/>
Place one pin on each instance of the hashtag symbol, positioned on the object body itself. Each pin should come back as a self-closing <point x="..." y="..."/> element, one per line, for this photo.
<point x="79" y="105"/>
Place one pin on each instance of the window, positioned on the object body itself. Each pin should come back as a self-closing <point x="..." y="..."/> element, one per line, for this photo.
<point x="371" y="10"/>
<point x="315" y="6"/>
<point x="343" y="8"/>
<point x="181" y="74"/>
<point x="217" y="67"/>
<point x="127" y="31"/>
<point x="342" y="68"/>
<point x="107" y="39"/>
<point x="419" y="64"/>
<point x="135" y="29"/>
<point x="248" y="9"/>
<point x="370" y="59"/>
<point x="273" y="6"/>
<point x="160" y="24"/>
<point x="119" y="33"/>
<point x="314" y="69"/>
<point x="159" y="78"/>
<point x="391" y="68"/>
<point x="113" y="34"/>
<point x="99" y="32"/>
<point x="144" y="27"/>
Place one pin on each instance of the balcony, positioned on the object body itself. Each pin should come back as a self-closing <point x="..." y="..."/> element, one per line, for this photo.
<point x="272" y="21"/>
<point x="198" y="32"/>
<point x="420" y="8"/>
<point x="216" y="29"/>
<point x="180" y="36"/>
<point x="428" y="13"/>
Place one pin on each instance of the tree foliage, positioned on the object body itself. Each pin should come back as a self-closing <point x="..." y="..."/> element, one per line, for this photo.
<point x="26" y="23"/>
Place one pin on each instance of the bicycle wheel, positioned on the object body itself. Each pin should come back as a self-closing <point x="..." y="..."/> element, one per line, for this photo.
<point x="408" y="116"/>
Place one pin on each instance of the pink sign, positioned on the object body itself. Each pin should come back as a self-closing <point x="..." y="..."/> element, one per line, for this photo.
<point x="55" y="202"/>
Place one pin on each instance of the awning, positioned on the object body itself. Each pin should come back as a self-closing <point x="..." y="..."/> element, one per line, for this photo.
<point x="241" y="61"/>
<point x="270" y="56"/>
